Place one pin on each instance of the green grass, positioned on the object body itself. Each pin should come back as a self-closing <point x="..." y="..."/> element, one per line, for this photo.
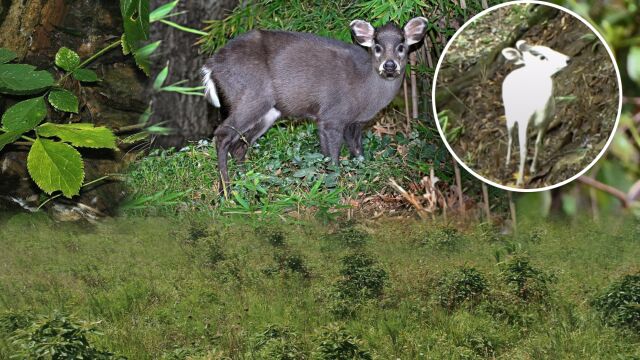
<point x="169" y="288"/>
<point x="284" y="172"/>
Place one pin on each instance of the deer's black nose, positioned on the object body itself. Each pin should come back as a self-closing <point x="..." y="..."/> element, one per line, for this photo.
<point x="389" y="65"/>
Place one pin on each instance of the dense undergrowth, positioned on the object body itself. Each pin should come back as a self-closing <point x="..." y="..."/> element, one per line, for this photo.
<point x="284" y="172"/>
<point x="243" y="289"/>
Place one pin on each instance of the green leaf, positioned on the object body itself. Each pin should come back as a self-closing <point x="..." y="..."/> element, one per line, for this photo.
<point x="63" y="100"/>
<point x="633" y="64"/>
<point x="67" y="59"/>
<point x="9" y="137"/>
<point x="81" y="135"/>
<point x="6" y="55"/>
<point x="135" y="16"/>
<point x="162" y="76"/>
<point x="22" y="79"/>
<point x="56" y="166"/>
<point x="25" y="115"/>
<point x="85" y="75"/>
<point x="142" y="56"/>
<point x="162" y="11"/>
<point x="125" y="46"/>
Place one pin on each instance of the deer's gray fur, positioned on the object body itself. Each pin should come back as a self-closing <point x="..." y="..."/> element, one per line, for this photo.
<point x="262" y="75"/>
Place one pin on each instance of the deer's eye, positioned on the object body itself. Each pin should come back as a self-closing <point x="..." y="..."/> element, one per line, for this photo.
<point x="377" y="49"/>
<point x="542" y="57"/>
<point x="400" y="48"/>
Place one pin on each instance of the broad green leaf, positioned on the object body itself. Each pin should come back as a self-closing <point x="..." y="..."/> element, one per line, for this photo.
<point x="56" y="166"/>
<point x="162" y="11"/>
<point x="162" y="76"/>
<point x="135" y="16"/>
<point x="6" y="55"/>
<point x="9" y="137"/>
<point x="25" y="115"/>
<point x="22" y="79"/>
<point x="85" y="75"/>
<point x="142" y="56"/>
<point x="67" y="59"/>
<point x="63" y="100"/>
<point x="81" y="135"/>
<point x="633" y="64"/>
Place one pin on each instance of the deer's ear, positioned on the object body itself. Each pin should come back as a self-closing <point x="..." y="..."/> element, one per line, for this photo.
<point x="415" y="29"/>
<point x="363" y="32"/>
<point x="522" y="45"/>
<point x="512" y="54"/>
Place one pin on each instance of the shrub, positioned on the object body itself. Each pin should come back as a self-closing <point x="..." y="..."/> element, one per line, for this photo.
<point x="350" y="236"/>
<point x="465" y="284"/>
<point x="362" y="277"/>
<point x="197" y="230"/>
<point x="524" y="280"/>
<point x="214" y="252"/>
<point x="12" y="321"/>
<point x="619" y="304"/>
<point x="337" y="344"/>
<point x="278" y="343"/>
<point x="274" y="236"/>
<point x="286" y="261"/>
<point x="58" y="337"/>
<point x="446" y="238"/>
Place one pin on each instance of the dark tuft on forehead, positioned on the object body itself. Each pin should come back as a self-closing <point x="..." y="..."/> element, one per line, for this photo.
<point x="389" y="31"/>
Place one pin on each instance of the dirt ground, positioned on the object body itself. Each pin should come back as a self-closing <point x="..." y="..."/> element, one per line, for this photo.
<point x="469" y="95"/>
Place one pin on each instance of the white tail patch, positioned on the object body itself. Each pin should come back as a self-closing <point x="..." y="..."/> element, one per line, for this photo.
<point x="210" y="87"/>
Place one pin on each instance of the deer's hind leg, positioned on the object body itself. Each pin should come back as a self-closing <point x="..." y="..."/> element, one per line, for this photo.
<point x="239" y="148"/>
<point x="231" y="134"/>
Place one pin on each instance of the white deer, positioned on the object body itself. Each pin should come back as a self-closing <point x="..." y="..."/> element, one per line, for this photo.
<point x="527" y="94"/>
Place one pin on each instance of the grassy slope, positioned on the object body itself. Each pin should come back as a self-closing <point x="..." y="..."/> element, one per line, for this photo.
<point x="154" y="284"/>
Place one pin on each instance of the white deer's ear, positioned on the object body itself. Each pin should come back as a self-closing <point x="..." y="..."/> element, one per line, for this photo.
<point x="512" y="54"/>
<point x="522" y="45"/>
<point x="415" y="29"/>
<point x="363" y="32"/>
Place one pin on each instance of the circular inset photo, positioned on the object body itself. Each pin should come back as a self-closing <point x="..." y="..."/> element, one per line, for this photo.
<point x="527" y="96"/>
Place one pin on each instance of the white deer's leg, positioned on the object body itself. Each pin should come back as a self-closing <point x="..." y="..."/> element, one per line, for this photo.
<point x="522" y="143"/>
<point x="509" y="143"/>
<point x="535" y="152"/>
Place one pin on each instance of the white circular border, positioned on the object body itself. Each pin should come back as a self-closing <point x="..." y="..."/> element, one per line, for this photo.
<point x="435" y="110"/>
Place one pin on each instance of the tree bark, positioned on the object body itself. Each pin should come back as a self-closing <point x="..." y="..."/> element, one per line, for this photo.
<point x="190" y="117"/>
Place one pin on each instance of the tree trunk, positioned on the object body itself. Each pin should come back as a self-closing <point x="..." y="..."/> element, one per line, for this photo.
<point x="190" y="117"/>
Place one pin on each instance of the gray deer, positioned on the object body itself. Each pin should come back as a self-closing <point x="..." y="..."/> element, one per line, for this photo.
<point x="263" y="75"/>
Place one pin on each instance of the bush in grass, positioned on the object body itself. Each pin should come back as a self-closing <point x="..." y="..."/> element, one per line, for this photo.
<point x="278" y="343"/>
<point x="335" y="343"/>
<point x="507" y="307"/>
<point x="446" y="238"/>
<point x="488" y="232"/>
<point x="524" y="280"/>
<point x="619" y="304"/>
<point x="58" y="337"/>
<point x="214" y="251"/>
<point x="350" y="236"/>
<point x="362" y="277"/>
<point x="289" y="262"/>
<point x="463" y="285"/>
<point x="12" y="321"/>
<point x="272" y="234"/>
